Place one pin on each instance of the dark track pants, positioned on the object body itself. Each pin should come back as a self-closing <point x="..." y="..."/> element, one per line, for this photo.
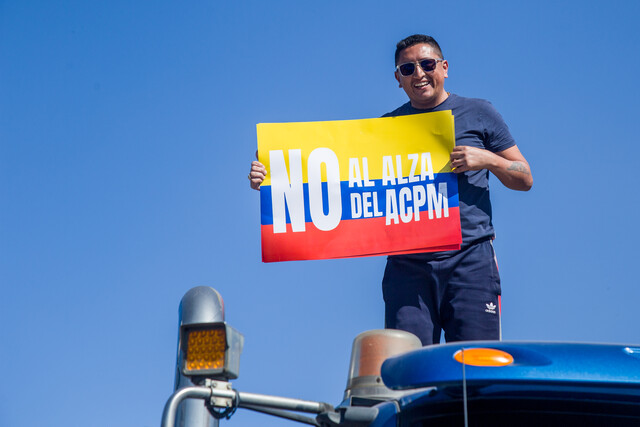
<point x="459" y="295"/>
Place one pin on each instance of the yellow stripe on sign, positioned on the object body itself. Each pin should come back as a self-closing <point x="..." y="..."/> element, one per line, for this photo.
<point x="373" y="139"/>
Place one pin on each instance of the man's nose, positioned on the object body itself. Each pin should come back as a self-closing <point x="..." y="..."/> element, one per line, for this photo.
<point x="419" y="72"/>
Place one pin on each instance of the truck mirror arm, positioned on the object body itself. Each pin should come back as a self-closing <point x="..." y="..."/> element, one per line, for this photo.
<point x="220" y="394"/>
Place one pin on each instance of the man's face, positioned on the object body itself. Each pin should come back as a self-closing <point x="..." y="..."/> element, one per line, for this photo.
<point x="424" y="89"/>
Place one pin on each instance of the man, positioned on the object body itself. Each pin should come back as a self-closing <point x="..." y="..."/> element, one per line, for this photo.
<point x="455" y="291"/>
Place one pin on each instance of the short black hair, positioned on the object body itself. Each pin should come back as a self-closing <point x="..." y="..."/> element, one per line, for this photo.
<point x="417" y="39"/>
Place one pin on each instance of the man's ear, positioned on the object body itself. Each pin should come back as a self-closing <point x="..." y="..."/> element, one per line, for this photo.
<point x="397" y="78"/>
<point x="445" y="67"/>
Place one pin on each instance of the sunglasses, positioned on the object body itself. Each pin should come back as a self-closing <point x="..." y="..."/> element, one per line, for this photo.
<point x="409" y="68"/>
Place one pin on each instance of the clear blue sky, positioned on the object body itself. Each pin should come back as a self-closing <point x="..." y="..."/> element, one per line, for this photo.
<point x="126" y="132"/>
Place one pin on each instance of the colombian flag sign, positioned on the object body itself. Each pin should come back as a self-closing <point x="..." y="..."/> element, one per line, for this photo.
<point x="358" y="187"/>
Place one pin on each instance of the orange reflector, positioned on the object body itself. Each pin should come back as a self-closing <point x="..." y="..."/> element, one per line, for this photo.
<point x="205" y="349"/>
<point x="484" y="357"/>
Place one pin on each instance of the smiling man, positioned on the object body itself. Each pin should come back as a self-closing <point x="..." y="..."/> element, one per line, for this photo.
<point x="455" y="291"/>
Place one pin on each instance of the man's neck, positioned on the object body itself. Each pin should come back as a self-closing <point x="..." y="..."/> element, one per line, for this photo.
<point x="439" y="101"/>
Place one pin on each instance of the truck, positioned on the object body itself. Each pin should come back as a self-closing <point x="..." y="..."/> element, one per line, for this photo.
<point x="394" y="381"/>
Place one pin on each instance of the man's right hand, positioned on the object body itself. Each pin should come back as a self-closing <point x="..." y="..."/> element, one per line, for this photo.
<point x="257" y="173"/>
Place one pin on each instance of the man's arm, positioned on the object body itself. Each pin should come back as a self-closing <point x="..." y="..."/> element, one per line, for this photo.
<point x="508" y="165"/>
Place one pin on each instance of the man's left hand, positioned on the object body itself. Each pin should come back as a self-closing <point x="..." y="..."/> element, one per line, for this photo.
<point x="465" y="158"/>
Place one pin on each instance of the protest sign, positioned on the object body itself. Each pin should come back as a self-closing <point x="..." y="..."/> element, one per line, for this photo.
<point x="358" y="187"/>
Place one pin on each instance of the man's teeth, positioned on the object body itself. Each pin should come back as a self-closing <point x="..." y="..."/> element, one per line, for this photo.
<point x="422" y="84"/>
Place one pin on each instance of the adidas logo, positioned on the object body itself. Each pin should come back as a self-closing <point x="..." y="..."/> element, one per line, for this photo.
<point x="491" y="308"/>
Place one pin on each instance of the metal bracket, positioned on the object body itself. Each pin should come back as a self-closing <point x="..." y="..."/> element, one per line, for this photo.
<point x="216" y="400"/>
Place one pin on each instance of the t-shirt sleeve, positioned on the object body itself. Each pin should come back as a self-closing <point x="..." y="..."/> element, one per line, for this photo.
<point x="496" y="134"/>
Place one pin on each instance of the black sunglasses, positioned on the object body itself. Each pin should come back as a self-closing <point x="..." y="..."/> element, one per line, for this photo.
<point x="409" y="68"/>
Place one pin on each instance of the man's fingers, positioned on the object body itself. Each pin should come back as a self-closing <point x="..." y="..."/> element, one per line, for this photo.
<point x="458" y="155"/>
<point x="457" y="161"/>
<point x="257" y="170"/>
<point x="460" y="169"/>
<point x="254" y="182"/>
<point x="256" y="175"/>
<point x="258" y="167"/>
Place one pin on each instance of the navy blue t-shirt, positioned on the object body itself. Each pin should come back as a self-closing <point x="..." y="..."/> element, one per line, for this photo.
<point x="478" y="124"/>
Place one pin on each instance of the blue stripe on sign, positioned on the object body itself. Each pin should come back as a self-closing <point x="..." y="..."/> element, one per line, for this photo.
<point x="378" y="189"/>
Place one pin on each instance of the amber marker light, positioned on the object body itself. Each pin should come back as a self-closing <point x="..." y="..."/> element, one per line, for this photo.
<point x="483" y="357"/>
<point x="205" y="349"/>
<point x="211" y="350"/>
<point x="370" y="349"/>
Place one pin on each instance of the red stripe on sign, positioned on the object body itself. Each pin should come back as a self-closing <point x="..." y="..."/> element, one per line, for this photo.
<point x="362" y="237"/>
